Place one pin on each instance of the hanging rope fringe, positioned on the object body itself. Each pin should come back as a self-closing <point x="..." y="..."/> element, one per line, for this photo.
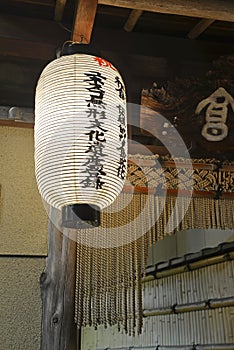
<point x="109" y="268"/>
<point x="112" y="258"/>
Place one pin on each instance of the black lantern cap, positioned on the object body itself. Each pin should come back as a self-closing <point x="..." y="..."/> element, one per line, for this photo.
<point x="71" y="48"/>
<point x="79" y="216"/>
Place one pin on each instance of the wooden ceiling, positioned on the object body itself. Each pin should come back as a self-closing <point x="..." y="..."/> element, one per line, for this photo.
<point x="139" y="36"/>
<point x="148" y="40"/>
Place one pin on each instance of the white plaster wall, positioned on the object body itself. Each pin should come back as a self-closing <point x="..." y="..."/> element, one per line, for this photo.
<point x="23" y="220"/>
<point x="20" y="316"/>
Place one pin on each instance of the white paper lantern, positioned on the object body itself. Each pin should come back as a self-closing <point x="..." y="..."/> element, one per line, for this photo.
<point x="80" y="134"/>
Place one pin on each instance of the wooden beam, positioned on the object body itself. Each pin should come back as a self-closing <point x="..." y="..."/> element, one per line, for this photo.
<point x="38" y="39"/>
<point x="147" y="149"/>
<point x="58" y="293"/>
<point x="59" y="10"/>
<point x="147" y="162"/>
<point x="132" y="20"/>
<point x="175" y="192"/>
<point x="200" y="28"/>
<point x="212" y="9"/>
<point x="16" y="124"/>
<point x="84" y="21"/>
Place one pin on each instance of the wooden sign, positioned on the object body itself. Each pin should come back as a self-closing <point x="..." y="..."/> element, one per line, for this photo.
<point x="201" y="110"/>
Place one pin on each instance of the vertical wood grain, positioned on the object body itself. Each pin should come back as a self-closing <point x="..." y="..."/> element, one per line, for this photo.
<point x="57" y="293"/>
<point x="84" y="21"/>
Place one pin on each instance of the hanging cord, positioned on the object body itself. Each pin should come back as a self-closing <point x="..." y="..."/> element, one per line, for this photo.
<point x="219" y="189"/>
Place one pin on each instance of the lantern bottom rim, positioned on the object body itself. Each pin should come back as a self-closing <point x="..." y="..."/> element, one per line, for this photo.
<point x="81" y="216"/>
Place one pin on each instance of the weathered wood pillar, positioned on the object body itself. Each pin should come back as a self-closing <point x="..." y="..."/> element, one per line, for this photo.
<point x="57" y="293"/>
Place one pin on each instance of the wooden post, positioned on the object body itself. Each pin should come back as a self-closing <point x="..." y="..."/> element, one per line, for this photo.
<point x="84" y="21"/>
<point x="58" y="293"/>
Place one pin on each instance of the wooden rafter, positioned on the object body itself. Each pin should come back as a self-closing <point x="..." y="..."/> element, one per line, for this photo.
<point x="212" y="9"/>
<point x="84" y="21"/>
<point x="59" y="9"/>
<point x="200" y="28"/>
<point x="132" y="20"/>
